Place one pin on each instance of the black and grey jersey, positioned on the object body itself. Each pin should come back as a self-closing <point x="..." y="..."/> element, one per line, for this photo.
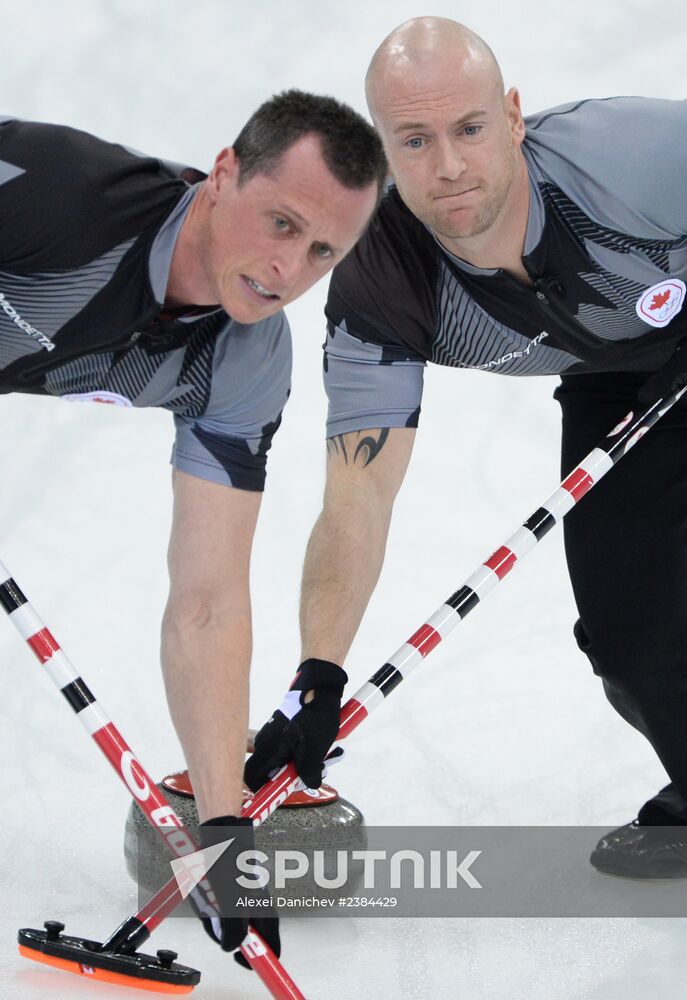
<point x="87" y="233"/>
<point x="605" y="248"/>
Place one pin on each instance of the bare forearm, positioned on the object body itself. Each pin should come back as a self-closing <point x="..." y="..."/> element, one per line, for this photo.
<point x="206" y="665"/>
<point x="206" y="635"/>
<point x="342" y="565"/>
<point x="347" y="545"/>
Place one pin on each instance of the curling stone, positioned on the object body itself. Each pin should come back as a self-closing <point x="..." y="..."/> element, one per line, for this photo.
<point x="316" y="820"/>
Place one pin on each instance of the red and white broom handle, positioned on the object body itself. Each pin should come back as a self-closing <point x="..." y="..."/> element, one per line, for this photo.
<point x="148" y="797"/>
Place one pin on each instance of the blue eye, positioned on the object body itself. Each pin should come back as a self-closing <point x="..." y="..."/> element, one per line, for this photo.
<point x="415" y="143"/>
<point x="470" y="130"/>
<point x="281" y="223"/>
<point x="322" y="250"/>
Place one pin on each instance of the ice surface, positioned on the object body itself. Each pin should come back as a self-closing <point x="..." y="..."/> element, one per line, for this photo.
<point x="504" y="724"/>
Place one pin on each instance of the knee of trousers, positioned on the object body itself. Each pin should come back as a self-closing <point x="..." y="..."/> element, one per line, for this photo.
<point x="635" y="661"/>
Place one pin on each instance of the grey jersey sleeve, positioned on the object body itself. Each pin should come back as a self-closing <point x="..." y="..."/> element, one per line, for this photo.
<point x="369" y="385"/>
<point x="251" y="377"/>
<point x="623" y="160"/>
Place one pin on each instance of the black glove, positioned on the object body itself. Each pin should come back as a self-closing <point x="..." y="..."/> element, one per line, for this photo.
<point x="669" y="377"/>
<point x="222" y="876"/>
<point x="300" y="732"/>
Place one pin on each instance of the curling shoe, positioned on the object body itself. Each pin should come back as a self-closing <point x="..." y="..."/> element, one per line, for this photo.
<point x="643" y="852"/>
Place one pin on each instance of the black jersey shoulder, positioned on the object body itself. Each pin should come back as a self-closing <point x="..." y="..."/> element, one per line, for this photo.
<point x="385" y="290"/>
<point x="75" y="197"/>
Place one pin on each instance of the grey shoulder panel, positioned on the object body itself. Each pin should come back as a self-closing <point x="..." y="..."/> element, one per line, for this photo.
<point x="587" y="149"/>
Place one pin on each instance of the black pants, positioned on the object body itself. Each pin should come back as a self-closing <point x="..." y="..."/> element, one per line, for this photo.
<point x="626" y="547"/>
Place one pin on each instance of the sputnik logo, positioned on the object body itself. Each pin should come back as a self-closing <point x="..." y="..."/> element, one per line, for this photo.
<point x="658" y="304"/>
<point x="192" y="869"/>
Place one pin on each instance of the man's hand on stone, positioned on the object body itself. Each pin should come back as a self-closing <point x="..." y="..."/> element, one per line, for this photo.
<point x="303" y="728"/>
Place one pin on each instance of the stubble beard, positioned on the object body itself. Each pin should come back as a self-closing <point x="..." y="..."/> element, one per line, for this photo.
<point x="472" y="221"/>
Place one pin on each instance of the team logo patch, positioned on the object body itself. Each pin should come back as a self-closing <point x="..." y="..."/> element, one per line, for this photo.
<point x="658" y="304"/>
<point x="112" y="398"/>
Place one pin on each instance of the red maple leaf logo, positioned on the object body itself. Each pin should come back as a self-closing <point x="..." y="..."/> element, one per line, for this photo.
<point x="659" y="300"/>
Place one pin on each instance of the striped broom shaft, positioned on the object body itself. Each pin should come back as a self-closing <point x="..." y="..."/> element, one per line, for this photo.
<point x="148" y="797"/>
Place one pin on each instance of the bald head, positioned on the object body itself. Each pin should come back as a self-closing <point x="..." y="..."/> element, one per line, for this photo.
<point x="424" y="52"/>
<point x="451" y="135"/>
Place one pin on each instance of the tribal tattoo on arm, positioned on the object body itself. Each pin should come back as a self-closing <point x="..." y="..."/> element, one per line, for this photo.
<point x="366" y="447"/>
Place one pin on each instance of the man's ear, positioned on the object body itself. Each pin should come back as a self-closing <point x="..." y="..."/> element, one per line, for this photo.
<point x="514" y="114"/>
<point x="225" y="168"/>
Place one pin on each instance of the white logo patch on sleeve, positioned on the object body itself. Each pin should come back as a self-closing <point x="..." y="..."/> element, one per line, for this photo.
<point x="113" y="398"/>
<point x="658" y="304"/>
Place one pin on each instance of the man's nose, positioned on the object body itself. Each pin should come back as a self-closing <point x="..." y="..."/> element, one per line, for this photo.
<point x="449" y="162"/>
<point x="287" y="263"/>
